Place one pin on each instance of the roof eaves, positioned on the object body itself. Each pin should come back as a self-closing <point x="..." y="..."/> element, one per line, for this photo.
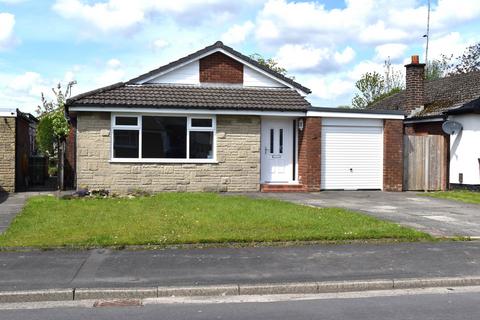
<point x="232" y="108"/>
<point x="366" y="111"/>
<point x="92" y="92"/>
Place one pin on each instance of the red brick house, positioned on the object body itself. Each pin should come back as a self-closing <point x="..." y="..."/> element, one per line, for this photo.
<point x="217" y="120"/>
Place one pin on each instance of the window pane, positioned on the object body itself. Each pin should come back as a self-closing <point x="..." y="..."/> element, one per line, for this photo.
<point x="164" y="137"/>
<point x="125" y="143"/>
<point x="207" y="123"/>
<point x="280" y="137"/>
<point x="126" y="121"/>
<point x="271" y="140"/>
<point x="201" y="145"/>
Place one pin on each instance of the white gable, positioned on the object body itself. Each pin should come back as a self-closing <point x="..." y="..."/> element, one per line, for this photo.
<point x="187" y="74"/>
<point x="253" y="78"/>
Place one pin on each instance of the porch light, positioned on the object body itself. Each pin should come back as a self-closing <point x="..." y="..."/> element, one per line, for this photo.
<point x="300" y="124"/>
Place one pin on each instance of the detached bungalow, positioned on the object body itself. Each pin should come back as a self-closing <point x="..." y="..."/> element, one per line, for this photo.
<point x="217" y="120"/>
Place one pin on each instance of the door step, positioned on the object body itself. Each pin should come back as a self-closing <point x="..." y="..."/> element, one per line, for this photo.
<point x="283" y="188"/>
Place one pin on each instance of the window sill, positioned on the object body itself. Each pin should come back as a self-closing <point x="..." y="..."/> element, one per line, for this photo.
<point x="165" y="161"/>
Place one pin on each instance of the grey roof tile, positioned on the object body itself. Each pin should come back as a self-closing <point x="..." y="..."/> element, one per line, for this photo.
<point x="181" y="96"/>
<point x="440" y="95"/>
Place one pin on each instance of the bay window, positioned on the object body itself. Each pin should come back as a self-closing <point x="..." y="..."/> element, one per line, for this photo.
<point x="161" y="138"/>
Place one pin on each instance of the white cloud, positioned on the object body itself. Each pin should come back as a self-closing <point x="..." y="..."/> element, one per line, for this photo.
<point x="29" y="83"/>
<point x="304" y="58"/>
<point x="450" y="44"/>
<point x="369" y="21"/>
<point x="113" y="73"/>
<point x="394" y="51"/>
<point x="125" y="15"/>
<point x="7" y="22"/>
<point x="238" y="33"/>
<point x="346" y="56"/>
<point x="160" y="44"/>
<point x="329" y="89"/>
<point x="114" y="63"/>
<point x="380" y="33"/>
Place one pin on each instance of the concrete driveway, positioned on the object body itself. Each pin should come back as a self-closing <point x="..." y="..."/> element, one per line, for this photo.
<point x="436" y="216"/>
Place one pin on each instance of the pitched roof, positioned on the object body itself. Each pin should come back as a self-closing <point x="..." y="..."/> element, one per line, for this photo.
<point x="219" y="45"/>
<point x="191" y="97"/>
<point x="470" y="107"/>
<point x="440" y="95"/>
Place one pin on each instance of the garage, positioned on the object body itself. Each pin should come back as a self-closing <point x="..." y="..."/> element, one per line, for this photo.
<point x="351" y="154"/>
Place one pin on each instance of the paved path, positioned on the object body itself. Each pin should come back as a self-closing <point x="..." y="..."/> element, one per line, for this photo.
<point x="11" y="204"/>
<point x="210" y="266"/>
<point x="430" y="305"/>
<point x="436" y="216"/>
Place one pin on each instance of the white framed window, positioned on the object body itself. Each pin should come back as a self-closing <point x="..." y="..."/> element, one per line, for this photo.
<point x="163" y="138"/>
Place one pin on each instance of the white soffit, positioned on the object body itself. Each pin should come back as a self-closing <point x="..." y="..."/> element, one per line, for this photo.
<point x="354" y="115"/>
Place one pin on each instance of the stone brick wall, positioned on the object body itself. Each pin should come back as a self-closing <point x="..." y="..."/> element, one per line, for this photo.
<point x="218" y="68"/>
<point x="70" y="155"/>
<point x="7" y="154"/>
<point x="393" y="155"/>
<point x="238" y="155"/>
<point x="309" y="151"/>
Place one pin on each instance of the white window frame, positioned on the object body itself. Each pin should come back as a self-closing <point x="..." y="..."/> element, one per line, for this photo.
<point x="138" y="127"/>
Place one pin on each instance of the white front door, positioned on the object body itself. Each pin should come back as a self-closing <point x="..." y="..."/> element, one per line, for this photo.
<point x="277" y="152"/>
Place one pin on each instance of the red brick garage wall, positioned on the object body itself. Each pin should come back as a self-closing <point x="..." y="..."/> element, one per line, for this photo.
<point x="219" y="68"/>
<point x="309" y="151"/>
<point x="393" y="155"/>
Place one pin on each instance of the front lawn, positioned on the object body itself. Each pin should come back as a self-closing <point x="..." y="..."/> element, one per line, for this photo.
<point x="460" y="195"/>
<point x="173" y="218"/>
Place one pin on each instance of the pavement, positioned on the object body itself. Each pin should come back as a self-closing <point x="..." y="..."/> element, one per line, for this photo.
<point x="104" y="268"/>
<point x="438" y="217"/>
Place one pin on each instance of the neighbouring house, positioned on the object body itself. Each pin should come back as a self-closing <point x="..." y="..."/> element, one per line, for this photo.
<point x="434" y="160"/>
<point x="465" y="146"/>
<point x="217" y="120"/>
<point x="17" y="143"/>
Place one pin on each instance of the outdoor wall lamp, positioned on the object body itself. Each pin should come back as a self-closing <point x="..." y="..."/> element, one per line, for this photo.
<point x="300" y="124"/>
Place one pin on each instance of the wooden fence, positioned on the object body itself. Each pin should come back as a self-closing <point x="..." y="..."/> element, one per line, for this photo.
<point x="424" y="162"/>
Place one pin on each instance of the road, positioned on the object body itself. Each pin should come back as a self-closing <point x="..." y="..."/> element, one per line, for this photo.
<point x="439" y="303"/>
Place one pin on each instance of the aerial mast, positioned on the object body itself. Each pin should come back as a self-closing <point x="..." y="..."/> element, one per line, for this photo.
<point x="427" y="35"/>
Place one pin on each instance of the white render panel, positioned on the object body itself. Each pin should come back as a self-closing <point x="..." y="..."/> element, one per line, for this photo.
<point x="253" y="78"/>
<point x="465" y="150"/>
<point x="187" y="74"/>
<point x="352" y="157"/>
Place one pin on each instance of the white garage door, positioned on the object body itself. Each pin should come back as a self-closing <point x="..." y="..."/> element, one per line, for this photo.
<point x="352" y="154"/>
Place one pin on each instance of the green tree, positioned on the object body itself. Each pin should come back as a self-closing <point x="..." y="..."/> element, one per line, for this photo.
<point x="469" y="61"/>
<point x="373" y="86"/>
<point x="53" y="126"/>
<point x="271" y="64"/>
<point x="370" y="86"/>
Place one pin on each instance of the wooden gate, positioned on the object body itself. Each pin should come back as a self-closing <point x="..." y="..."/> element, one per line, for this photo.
<point x="424" y="162"/>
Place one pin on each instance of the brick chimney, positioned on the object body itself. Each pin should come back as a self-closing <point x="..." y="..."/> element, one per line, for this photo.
<point x="415" y="89"/>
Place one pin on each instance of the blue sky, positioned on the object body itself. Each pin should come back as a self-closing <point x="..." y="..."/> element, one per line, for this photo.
<point x="326" y="45"/>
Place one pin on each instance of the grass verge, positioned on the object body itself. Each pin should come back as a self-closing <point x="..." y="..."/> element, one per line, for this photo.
<point x="188" y="218"/>
<point x="457" y="195"/>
